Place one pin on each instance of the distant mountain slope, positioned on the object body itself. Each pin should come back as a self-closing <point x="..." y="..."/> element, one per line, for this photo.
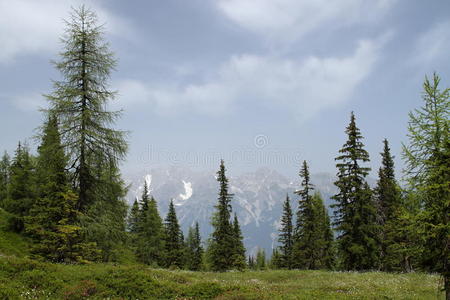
<point x="258" y="198"/>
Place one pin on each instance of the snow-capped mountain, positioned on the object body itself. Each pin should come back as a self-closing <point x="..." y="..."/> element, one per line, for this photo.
<point x="258" y="198"/>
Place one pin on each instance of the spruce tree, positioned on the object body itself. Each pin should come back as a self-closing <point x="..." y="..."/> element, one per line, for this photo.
<point x="355" y="214"/>
<point x="323" y="241"/>
<point x="52" y="219"/>
<point x="286" y="238"/>
<point x="221" y="248"/>
<point x="239" y="249"/>
<point x="173" y="239"/>
<point x="5" y="165"/>
<point x="133" y="218"/>
<point x="261" y="259"/>
<point x="150" y="245"/>
<point x="22" y="188"/>
<point x="303" y="249"/>
<point x="79" y="101"/>
<point x="427" y="168"/>
<point x="388" y="201"/>
<point x="195" y="249"/>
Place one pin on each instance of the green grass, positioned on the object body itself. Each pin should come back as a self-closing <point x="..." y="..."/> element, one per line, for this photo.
<point x="23" y="278"/>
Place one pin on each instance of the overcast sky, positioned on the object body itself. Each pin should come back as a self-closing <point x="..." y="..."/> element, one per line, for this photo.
<point x="257" y="82"/>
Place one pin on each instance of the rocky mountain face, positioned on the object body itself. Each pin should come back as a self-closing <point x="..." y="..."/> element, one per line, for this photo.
<point x="258" y="199"/>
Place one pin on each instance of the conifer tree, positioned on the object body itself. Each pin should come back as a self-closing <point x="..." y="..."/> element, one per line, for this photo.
<point x="52" y="219"/>
<point x="5" y="164"/>
<point x="303" y="249"/>
<point x="150" y="247"/>
<point x="79" y="102"/>
<point x="239" y="249"/>
<point x="195" y="249"/>
<point x="173" y="239"/>
<point x="22" y="188"/>
<point x="261" y="259"/>
<point x="286" y="235"/>
<point x="221" y="248"/>
<point x="276" y="261"/>
<point x="133" y="218"/>
<point x="323" y="242"/>
<point x="355" y="214"/>
<point x="251" y="262"/>
<point x="427" y="161"/>
<point x="388" y="201"/>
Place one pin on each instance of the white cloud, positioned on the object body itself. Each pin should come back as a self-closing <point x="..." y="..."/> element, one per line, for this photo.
<point x="433" y="43"/>
<point x="288" y="20"/>
<point x="29" y="26"/>
<point x="304" y="87"/>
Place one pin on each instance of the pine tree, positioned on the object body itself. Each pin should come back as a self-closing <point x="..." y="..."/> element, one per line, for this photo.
<point x="195" y="249"/>
<point x="173" y="239"/>
<point x="5" y="165"/>
<point x="22" y="188"/>
<point x="222" y="242"/>
<point x="303" y="249"/>
<point x="427" y="161"/>
<point x="355" y="214"/>
<point x="239" y="249"/>
<point x="79" y="102"/>
<point x="52" y="219"/>
<point x="388" y="201"/>
<point x="286" y="238"/>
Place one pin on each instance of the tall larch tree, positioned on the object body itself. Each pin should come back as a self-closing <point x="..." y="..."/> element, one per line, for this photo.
<point x="286" y="238"/>
<point x="221" y="246"/>
<point x="427" y="168"/>
<point x="80" y="100"/>
<point x="173" y="239"/>
<point x="355" y="213"/>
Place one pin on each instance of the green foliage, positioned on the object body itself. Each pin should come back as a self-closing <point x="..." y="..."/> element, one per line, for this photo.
<point x="173" y="239"/>
<point x="261" y="259"/>
<point x="133" y="218"/>
<point x="355" y="213"/>
<point x="286" y="238"/>
<point x="239" y="249"/>
<point x="22" y="188"/>
<point x="5" y="165"/>
<point x="222" y="243"/>
<point x="194" y="253"/>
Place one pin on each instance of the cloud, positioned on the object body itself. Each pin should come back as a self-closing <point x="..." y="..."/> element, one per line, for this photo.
<point x="289" y="20"/>
<point x="31" y="27"/>
<point x="304" y="87"/>
<point x="432" y="44"/>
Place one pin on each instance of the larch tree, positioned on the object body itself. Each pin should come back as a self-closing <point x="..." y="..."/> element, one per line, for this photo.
<point x="355" y="213"/>
<point x="427" y="159"/>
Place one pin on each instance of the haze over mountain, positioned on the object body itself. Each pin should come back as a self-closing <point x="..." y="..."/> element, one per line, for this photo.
<point x="258" y="198"/>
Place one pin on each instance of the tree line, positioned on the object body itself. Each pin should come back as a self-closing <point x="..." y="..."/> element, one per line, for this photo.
<point x="69" y="198"/>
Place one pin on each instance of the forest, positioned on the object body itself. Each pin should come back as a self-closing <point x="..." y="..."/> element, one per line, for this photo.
<point x="67" y="198"/>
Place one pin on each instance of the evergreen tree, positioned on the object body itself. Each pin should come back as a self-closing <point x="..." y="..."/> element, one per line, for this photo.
<point x="222" y="241"/>
<point x="79" y="101"/>
<point x="251" y="262"/>
<point x="5" y="164"/>
<point x="52" y="219"/>
<point x="323" y="238"/>
<point x="355" y="214"/>
<point x="303" y="248"/>
<point x="286" y="235"/>
<point x="150" y="245"/>
<point x="173" y="239"/>
<point x="261" y="259"/>
<point x="133" y="218"/>
<point x="388" y="200"/>
<point x="195" y="249"/>
<point x="427" y="158"/>
<point x="239" y="249"/>
<point x="22" y="188"/>
<point x="276" y="261"/>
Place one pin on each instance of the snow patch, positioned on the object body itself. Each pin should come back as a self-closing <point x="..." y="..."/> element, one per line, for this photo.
<point x="187" y="191"/>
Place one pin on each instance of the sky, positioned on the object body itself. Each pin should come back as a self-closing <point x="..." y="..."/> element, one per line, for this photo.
<point x="265" y="83"/>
